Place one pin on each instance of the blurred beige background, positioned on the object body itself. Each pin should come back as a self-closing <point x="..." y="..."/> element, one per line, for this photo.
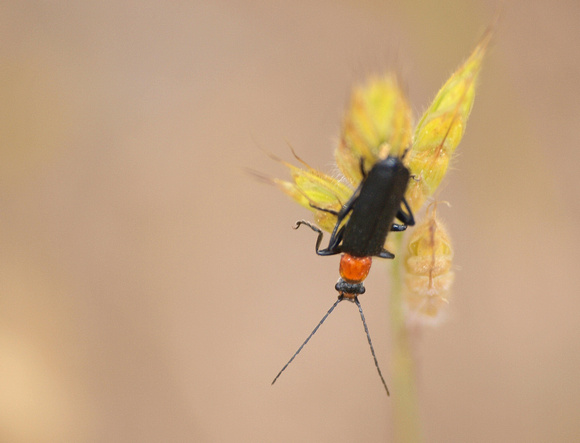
<point x="150" y="289"/>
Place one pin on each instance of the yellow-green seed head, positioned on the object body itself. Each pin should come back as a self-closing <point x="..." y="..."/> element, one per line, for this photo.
<point x="428" y="271"/>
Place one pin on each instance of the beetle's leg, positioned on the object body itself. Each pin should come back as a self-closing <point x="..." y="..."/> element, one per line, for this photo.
<point x="407" y="218"/>
<point x="397" y="228"/>
<point x="318" y="208"/>
<point x="333" y="244"/>
<point x="362" y="168"/>
<point x="327" y="251"/>
<point x="386" y="254"/>
<point x="348" y="206"/>
<point x="334" y="240"/>
<point x="335" y="237"/>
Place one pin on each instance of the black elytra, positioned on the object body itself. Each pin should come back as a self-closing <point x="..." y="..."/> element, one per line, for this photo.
<point x="373" y="208"/>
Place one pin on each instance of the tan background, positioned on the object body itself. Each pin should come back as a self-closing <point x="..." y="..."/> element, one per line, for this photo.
<point x="150" y="290"/>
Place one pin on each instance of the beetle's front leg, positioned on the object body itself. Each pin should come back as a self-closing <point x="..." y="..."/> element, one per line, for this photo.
<point x="331" y="250"/>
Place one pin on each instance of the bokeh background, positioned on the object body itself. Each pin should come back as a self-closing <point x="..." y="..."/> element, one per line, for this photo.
<point x="150" y="289"/>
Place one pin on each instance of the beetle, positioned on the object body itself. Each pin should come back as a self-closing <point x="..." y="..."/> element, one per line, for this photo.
<point x="371" y="211"/>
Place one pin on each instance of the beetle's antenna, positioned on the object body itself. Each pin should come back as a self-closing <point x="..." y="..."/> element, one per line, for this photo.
<point x="340" y="298"/>
<point x="362" y="316"/>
